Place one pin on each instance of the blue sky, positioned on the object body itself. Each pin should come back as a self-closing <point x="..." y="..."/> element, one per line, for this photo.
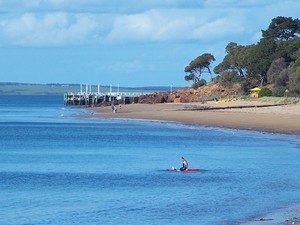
<point x="132" y="43"/>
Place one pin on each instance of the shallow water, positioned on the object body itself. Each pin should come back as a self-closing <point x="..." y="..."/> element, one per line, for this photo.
<point x="55" y="169"/>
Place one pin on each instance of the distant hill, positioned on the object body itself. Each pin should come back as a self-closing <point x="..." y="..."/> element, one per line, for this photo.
<point x="10" y="88"/>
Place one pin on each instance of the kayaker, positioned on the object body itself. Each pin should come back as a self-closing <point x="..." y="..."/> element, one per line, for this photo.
<point x="185" y="164"/>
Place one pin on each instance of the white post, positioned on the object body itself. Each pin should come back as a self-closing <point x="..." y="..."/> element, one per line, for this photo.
<point x="86" y="89"/>
<point x="80" y="89"/>
<point x="110" y="90"/>
<point x="98" y="89"/>
<point x="171" y="87"/>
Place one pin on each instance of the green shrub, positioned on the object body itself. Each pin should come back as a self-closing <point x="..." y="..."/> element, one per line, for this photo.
<point x="279" y="92"/>
<point x="200" y="83"/>
<point x="264" y="92"/>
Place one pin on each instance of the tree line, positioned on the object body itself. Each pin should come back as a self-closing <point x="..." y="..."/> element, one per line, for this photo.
<point x="272" y="63"/>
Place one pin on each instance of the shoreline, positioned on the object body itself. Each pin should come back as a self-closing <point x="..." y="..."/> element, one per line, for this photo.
<point x="235" y="115"/>
<point x="289" y="215"/>
<point x="245" y="115"/>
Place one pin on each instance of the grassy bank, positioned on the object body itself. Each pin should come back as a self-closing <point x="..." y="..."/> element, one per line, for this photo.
<point x="280" y="100"/>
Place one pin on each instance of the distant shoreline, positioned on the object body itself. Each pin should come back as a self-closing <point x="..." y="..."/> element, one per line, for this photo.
<point x="276" y="118"/>
<point x="15" y="88"/>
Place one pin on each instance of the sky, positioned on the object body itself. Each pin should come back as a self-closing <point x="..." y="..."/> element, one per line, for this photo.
<point x="131" y="43"/>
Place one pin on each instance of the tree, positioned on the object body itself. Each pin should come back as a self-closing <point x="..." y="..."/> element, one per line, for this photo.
<point x="282" y="28"/>
<point x="230" y="47"/>
<point x="235" y="60"/>
<point x="198" y="66"/>
<point x="189" y="77"/>
<point x="288" y="49"/>
<point x="294" y="78"/>
<point x="275" y="60"/>
<point x="229" y="78"/>
<point x="275" y="69"/>
<point x="260" y="59"/>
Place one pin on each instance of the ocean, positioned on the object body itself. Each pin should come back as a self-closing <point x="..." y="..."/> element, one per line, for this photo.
<point x="58" y="168"/>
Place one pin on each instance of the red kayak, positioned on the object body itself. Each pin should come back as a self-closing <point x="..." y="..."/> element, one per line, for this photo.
<point x="189" y="170"/>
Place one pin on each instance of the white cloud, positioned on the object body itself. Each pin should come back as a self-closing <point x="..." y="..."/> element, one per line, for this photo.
<point x="218" y="29"/>
<point x="50" y="29"/>
<point x="177" y="25"/>
<point x="154" y="25"/>
<point x="63" y="22"/>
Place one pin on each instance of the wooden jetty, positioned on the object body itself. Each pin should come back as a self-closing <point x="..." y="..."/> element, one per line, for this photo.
<point x="96" y="98"/>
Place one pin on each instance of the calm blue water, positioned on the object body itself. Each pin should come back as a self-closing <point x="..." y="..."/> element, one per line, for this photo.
<point x="55" y="169"/>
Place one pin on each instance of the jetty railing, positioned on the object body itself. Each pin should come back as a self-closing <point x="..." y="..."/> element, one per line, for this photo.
<point x="94" y="98"/>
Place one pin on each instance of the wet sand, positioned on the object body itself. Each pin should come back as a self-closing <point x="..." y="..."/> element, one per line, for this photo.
<point x="285" y="216"/>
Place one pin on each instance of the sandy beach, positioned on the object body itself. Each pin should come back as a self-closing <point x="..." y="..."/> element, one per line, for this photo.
<point x="250" y="115"/>
<point x="246" y="114"/>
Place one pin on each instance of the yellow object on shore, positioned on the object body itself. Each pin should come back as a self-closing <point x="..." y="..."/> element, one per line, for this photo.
<point x="226" y="100"/>
<point x="254" y="92"/>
